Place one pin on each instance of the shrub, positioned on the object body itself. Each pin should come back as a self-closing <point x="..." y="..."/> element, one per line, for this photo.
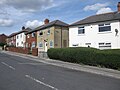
<point x="88" y="56"/>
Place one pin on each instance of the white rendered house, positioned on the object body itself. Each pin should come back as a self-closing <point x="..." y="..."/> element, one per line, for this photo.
<point x="99" y="31"/>
<point x="21" y="37"/>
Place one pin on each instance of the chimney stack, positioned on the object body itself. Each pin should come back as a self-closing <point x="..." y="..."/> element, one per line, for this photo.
<point x="46" y="21"/>
<point x="23" y="28"/>
<point x="118" y="6"/>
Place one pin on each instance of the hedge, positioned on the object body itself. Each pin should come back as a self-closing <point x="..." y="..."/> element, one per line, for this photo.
<point x="87" y="56"/>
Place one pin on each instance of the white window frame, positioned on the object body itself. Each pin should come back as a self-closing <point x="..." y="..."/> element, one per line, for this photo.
<point x="48" y="32"/>
<point x="33" y="44"/>
<point x="105" y="45"/>
<point x="28" y="36"/>
<point x="40" y="32"/>
<point x="75" y="45"/>
<point x="33" y="34"/>
<point x="103" y="26"/>
<point x="50" y="43"/>
<point x="40" y="45"/>
<point x="81" y="30"/>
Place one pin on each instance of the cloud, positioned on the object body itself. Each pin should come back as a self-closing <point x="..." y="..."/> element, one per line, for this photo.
<point x="6" y="22"/>
<point x="96" y="6"/>
<point x="28" y="5"/>
<point x="33" y="24"/>
<point x="104" y="10"/>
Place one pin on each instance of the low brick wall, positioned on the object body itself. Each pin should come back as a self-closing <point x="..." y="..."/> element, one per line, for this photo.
<point x="35" y="51"/>
<point x="19" y="50"/>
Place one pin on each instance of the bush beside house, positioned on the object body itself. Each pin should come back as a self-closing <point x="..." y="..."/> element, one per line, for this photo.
<point x="87" y="56"/>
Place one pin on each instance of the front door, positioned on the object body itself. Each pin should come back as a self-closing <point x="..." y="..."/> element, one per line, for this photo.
<point x="45" y="46"/>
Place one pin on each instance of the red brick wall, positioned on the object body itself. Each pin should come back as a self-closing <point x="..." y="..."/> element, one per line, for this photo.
<point x="19" y="50"/>
<point x="31" y="39"/>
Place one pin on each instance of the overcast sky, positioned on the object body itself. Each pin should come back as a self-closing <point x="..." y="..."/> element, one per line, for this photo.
<point x="31" y="13"/>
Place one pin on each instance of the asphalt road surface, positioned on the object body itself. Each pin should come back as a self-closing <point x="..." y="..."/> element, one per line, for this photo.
<point x="18" y="73"/>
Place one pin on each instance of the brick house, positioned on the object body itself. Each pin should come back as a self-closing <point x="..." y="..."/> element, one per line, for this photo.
<point x="11" y="40"/>
<point x="31" y="39"/>
<point x="3" y="38"/>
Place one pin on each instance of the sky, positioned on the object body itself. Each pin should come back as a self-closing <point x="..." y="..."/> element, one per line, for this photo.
<point x="31" y="13"/>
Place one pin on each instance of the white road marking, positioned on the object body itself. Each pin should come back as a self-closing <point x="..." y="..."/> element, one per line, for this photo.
<point x="40" y="82"/>
<point x="32" y="63"/>
<point x="8" y="65"/>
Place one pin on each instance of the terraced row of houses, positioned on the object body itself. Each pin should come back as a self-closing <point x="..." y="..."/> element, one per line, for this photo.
<point x="50" y="35"/>
<point x="100" y="31"/>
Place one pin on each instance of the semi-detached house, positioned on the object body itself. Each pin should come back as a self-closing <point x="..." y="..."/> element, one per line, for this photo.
<point x="100" y="31"/>
<point x="52" y="35"/>
<point x="21" y="37"/>
<point x="11" y="39"/>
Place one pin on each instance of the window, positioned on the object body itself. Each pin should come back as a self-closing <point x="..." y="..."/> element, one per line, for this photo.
<point x="33" y="44"/>
<point x="81" y="30"/>
<point x="104" y="27"/>
<point x="26" y="44"/>
<point x="75" y="45"/>
<point x="87" y="43"/>
<point x="51" y="43"/>
<point x="28" y="36"/>
<point x="17" y="36"/>
<point x="17" y="44"/>
<point x="14" y="37"/>
<point x="41" y="33"/>
<point x="33" y="34"/>
<point x="22" y="42"/>
<point x="48" y="31"/>
<point x="40" y="44"/>
<point x="104" y="45"/>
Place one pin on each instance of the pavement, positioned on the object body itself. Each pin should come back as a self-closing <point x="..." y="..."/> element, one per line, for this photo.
<point x="90" y="69"/>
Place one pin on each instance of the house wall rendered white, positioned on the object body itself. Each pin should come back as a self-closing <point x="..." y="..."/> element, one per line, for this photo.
<point x="93" y="36"/>
<point x="20" y="40"/>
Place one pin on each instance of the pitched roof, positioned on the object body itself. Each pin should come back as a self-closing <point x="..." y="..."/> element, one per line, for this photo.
<point x="53" y="23"/>
<point x="56" y="23"/>
<point x="25" y="31"/>
<point x="98" y="18"/>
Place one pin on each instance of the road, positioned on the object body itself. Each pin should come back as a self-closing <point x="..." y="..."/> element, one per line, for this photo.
<point x="17" y="73"/>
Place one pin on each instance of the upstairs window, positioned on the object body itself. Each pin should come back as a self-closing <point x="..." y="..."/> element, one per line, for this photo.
<point x="48" y="31"/>
<point x="21" y="35"/>
<point x="40" y="33"/>
<point x="81" y="30"/>
<point x="33" y="34"/>
<point x="17" y="36"/>
<point x="104" y="27"/>
<point x="28" y="36"/>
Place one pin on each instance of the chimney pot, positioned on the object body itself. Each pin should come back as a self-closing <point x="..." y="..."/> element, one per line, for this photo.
<point x="46" y="21"/>
<point x="118" y="6"/>
<point x="23" y="28"/>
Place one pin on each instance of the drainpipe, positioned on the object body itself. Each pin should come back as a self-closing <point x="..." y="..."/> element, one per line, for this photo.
<point x="119" y="34"/>
<point x="61" y="36"/>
